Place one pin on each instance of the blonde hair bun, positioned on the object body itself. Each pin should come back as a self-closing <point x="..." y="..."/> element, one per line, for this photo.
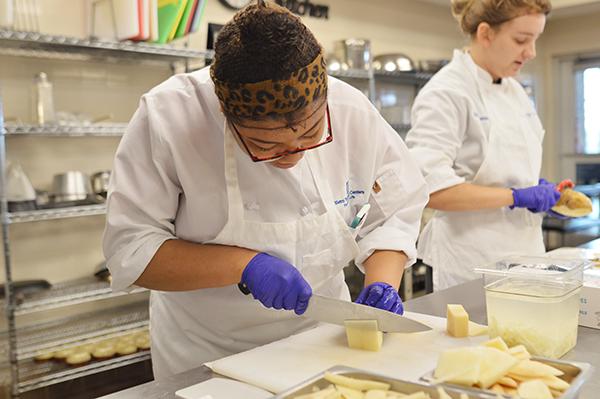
<point x="471" y="13"/>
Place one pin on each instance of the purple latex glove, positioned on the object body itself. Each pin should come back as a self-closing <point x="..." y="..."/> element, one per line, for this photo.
<point x="550" y="212"/>
<point x="555" y="215"/>
<point x="381" y="296"/>
<point x="276" y="283"/>
<point x="538" y="198"/>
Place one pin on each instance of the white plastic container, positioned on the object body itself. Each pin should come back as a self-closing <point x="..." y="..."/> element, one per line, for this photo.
<point x="534" y="301"/>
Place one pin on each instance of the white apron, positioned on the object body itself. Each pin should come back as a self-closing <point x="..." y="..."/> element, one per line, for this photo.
<point x="454" y="243"/>
<point x="193" y="327"/>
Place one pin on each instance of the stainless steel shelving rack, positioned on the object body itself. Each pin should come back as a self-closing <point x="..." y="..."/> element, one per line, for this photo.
<point x="23" y="344"/>
<point x="414" y="79"/>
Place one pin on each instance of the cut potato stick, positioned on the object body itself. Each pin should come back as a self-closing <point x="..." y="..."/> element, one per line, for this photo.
<point x="508" y="382"/>
<point x="356" y="383"/>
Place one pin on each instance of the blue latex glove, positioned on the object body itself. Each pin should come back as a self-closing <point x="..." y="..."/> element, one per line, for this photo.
<point x="381" y="296"/>
<point x="538" y="198"/>
<point x="276" y="283"/>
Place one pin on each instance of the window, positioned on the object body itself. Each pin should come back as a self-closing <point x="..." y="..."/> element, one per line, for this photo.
<point x="587" y="83"/>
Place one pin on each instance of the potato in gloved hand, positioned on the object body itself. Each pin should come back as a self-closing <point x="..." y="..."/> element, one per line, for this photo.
<point x="573" y="204"/>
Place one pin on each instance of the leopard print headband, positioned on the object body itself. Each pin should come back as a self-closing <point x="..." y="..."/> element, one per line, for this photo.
<point x="273" y="97"/>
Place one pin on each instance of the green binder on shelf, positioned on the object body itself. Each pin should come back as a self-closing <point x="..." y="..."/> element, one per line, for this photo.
<point x="169" y="15"/>
<point x="187" y="15"/>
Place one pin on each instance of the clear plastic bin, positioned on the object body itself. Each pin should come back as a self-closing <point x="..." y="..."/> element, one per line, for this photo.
<point x="534" y="301"/>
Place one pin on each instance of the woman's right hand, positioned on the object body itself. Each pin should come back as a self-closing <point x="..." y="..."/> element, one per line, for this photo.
<point x="536" y="199"/>
<point x="276" y="283"/>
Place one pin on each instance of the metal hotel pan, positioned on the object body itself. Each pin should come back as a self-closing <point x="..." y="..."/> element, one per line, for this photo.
<point x="575" y="373"/>
<point x="396" y="385"/>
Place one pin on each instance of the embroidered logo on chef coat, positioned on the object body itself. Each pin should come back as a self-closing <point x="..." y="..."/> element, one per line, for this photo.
<point x="480" y="117"/>
<point x="350" y="195"/>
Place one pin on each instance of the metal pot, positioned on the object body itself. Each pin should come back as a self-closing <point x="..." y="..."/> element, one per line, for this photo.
<point x="393" y="63"/>
<point x="71" y="186"/>
<point x="356" y="53"/>
<point x="100" y="183"/>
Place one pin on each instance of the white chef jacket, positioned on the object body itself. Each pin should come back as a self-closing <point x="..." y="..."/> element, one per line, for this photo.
<point x="168" y="178"/>
<point x="452" y="119"/>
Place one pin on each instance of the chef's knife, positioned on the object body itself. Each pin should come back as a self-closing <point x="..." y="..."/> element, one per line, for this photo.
<point x="336" y="311"/>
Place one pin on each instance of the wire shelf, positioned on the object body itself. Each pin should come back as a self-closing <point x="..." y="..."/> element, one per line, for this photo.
<point x="38" y="375"/>
<point x="68" y="293"/>
<point x="351" y="73"/>
<point x="413" y="78"/>
<point x="52" y="46"/>
<point x="56" y="213"/>
<point x="69" y="130"/>
<point x="74" y="331"/>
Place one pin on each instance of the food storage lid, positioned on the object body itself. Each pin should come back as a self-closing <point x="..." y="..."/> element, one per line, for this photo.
<point x="539" y="276"/>
<point x="537" y="267"/>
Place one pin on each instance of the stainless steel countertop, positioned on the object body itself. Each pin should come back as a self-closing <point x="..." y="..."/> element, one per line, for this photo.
<point x="470" y="295"/>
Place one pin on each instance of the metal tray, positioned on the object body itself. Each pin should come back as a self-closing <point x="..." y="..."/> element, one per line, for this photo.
<point x="396" y="385"/>
<point x="576" y="374"/>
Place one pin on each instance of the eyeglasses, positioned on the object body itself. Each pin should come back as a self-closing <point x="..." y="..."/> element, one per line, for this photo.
<point x="322" y="141"/>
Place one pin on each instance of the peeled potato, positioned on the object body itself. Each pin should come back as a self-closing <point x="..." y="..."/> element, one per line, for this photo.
<point x="497" y="343"/>
<point x="573" y="204"/>
<point x="374" y="394"/>
<point x="534" y="389"/>
<point x="350" y="393"/>
<point x="363" y="334"/>
<point x="355" y="383"/>
<point x="531" y="368"/>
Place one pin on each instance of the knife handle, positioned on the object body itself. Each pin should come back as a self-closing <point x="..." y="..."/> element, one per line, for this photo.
<point x="243" y="288"/>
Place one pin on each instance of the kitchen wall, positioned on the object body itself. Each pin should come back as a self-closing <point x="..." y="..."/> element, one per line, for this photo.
<point x="67" y="249"/>
<point x="564" y="36"/>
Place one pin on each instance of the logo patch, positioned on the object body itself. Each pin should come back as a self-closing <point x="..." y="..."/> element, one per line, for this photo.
<point x="350" y="195"/>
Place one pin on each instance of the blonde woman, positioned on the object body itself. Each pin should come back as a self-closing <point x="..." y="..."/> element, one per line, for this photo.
<point x="478" y="141"/>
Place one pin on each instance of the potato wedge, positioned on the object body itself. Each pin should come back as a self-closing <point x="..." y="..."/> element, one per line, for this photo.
<point x="497" y="343"/>
<point x="531" y="368"/>
<point x="534" y="389"/>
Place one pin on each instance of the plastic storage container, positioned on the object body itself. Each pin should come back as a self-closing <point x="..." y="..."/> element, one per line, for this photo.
<point x="534" y="301"/>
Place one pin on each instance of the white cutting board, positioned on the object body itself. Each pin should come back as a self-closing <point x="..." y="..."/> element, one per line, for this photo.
<point x="285" y="363"/>
<point x="222" y="388"/>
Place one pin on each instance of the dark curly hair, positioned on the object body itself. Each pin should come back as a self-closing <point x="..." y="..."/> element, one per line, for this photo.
<point x="263" y="41"/>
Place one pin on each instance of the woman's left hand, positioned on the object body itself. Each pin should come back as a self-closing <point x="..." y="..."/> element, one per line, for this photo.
<point x="382" y="296"/>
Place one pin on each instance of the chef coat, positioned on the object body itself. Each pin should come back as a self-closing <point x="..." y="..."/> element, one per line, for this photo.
<point x="169" y="182"/>
<point x="466" y="128"/>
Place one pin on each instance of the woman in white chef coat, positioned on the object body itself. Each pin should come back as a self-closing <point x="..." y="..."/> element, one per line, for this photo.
<point x="478" y="141"/>
<point x="250" y="173"/>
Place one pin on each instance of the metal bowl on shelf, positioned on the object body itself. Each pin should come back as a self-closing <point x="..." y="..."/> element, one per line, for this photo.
<point x="432" y="65"/>
<point x="395" y="62"/>
<point x="71" y="186"/>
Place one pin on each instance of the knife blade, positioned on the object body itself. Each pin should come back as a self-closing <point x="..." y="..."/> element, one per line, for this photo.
<point x="336" y="311"/>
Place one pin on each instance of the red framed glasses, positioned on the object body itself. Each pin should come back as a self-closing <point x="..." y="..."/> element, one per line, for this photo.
<point x="323" y="139"/>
